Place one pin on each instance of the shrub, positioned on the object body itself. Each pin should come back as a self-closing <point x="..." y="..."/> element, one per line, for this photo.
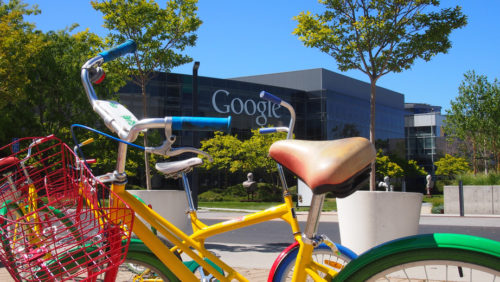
<point x="210" y="196"/>
<point x="236" y="191"/>
<point x="134" y="187"/>
<point x="450" y="166"/>
<point x="268" y="192"/>
<point x="265" y="193"/>
<point x="478" y="179"/>
<point x="439" y="209"/>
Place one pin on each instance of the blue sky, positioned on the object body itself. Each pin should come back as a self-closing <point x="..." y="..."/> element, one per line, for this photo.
<point x="240" y="38"/>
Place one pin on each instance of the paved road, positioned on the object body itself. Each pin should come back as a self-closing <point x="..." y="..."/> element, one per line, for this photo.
<point x="278" y="232"/>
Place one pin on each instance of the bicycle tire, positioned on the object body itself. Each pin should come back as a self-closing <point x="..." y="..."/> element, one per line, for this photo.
<point x="453" y="257"/>
<point x="143" y="266"/>
<point x="283" y="271"/>
<point x="141" y="260"/>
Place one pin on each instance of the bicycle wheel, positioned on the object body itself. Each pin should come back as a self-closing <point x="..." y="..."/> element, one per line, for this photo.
<point x="142" y="266"/>
<point x="322" y="254"/>
<point x="431" y="257"/>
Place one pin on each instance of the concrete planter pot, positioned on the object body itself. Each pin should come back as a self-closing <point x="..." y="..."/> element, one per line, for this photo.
<point x="170" y="204"/>
<point x="369" y="218"/>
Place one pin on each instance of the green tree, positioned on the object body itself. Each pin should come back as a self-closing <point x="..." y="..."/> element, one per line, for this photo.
<point x="41" y="73"/>
<point x="160" y="34"/>
<point x="230" y="155"/>
<point x="450" y="166"/>
<point x="378" y="37"/>
<point x="473" y="116"/>
<point x="254" y="155"/>
<point x="386" y="167"/>
<point x="412" y="169"/>
<point x="224" y="149"/>
<point x="56" y="91"/>
<point x="494" y="124"/>
<point x="18" y="43"/>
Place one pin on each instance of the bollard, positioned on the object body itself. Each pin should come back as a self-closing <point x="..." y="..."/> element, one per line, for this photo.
<point x="461" y="197"/>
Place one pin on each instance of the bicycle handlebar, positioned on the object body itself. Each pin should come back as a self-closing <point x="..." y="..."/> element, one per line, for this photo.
<point x="273" y="99"/>
<point x="268" y="130"/>
<point x="122" y="122"/>
<point x="36" y="142"/>
<point x="93" y="64"/>
<point x="200" y="123"/>
<point x="128" y="46"/>
<point x="270" y="97"/>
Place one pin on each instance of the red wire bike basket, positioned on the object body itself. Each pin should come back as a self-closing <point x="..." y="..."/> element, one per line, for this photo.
<point x="55" y="223"/>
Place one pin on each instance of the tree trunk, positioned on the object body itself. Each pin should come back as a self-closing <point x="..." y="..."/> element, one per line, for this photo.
<point x="496" y="156"/>
<point x="498" y="162"/>
<point x="147" y="170"/>
<point x="485" y="151"/>
<point x="372" y="129"/>
<point x="474" y="162"/>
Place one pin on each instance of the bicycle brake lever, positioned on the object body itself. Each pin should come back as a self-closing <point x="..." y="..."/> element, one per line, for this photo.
<point x="178" y="151"/>
<point x="160" y="150"/>
<point x="166" y="150"/>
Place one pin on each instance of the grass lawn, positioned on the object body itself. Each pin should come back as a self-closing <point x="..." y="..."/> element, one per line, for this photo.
<point x="329" y="205"/>
<point x="435" y="200"/>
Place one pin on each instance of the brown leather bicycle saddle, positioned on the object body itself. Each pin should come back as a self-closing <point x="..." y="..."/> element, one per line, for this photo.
<point x="337" y="166"/>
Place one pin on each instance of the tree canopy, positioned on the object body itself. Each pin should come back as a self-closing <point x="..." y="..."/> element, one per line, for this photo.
<point x="18" y="43"/>
<point x="231" y="155"/>
<point x="161" y="34"/>
<point x="450" y="166"/>
<point x="386" y="167"/>
<point x="378" y="37"/>
<point x="254" y="155"/>
<point x="40" y="76"/>
<point x="474" y="117"/>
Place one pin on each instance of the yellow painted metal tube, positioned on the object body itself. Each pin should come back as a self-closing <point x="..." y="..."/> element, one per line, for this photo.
<point x="244" y="221"/>
<point x="163" y="253"/>
<point x="290" y="216"/>
<point x="184" y="242"/>
<point x="173" y="234"/>
<point x="304" y="258"/>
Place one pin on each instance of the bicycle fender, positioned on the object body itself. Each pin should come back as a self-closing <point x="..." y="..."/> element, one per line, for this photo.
<point x="280" y="257"/>
<point x="423" y="241"/>
<point x="136" y="245"/>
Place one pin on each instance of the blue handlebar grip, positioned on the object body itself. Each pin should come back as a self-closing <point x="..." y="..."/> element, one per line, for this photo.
<point x="201" y="123"/>
<point x="128" y="47"/>
<point x="270" y="97"/>
<point x="267" y="130"/>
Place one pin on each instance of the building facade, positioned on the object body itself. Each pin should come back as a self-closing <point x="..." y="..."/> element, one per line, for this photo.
<point x="328" y="105"/>
<point x="424" y="137"/>
<point x="340" y="104"/>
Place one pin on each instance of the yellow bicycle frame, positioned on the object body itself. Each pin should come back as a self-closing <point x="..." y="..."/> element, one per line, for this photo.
<point x="188" y="244"/>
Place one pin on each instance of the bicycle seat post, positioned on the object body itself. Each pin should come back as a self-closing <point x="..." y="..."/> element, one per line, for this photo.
<point x="313" y="217"/>
<point x="187" y="189"/>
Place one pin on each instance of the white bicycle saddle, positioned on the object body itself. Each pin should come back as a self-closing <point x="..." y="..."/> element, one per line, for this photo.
<point x="169" y="168"/>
